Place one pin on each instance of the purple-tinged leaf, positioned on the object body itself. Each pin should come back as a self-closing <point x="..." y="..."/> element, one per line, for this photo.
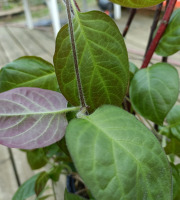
<point x="32" y="118"/>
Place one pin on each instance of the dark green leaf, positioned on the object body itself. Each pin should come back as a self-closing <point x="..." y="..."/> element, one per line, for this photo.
<point x="36" y="158"/>
<point x="118" y="157"/>
<point x="41" y="182"/>
<point x="154" y="91"/>
<point x="173" y="119"/>
<point x="55" y="173"/>
<point x="102" y="57"/>
<point x="173" y="147"/>
<point x="133" y="69"/>
<point x="170" y="41"/>
<point x="137" y="3"/>
<point x="28" y="71"/>
<point x="51" y="150"/>
<point x="26" y="189"/>
<point x="70" y="196"/>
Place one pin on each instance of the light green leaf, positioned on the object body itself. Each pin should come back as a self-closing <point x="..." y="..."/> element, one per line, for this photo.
<point x="154" y="91"/>
<point x="170" y="41"/>
<point x="118" y="157"/>
<point x="41" y="182"/>
<point x="102" y="58"/>
<point x="70" y="196"/>
<point x="132" y="69"/>
<point x="173" y="119"/>
<point x="137" y="3"/>
<point x="26" y="189"/>
<point x="36" y="158"/>
<point x="28" y="71"/>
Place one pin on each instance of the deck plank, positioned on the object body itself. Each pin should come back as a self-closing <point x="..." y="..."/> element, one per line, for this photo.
<point x="8" y="183"/>
<point x="30" y="46"/>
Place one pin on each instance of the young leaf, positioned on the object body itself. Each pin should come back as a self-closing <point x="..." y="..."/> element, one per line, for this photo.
<point x="55" y="173"/>
<point x="26" y="189"/>
<point x="154" y="91"/>
<point x="173" y="147"/>
<point x="102" y="58"/>
<point x="137" y="3"/>
<point x="36" y="158"/>
<point x="70" y="196"/>
<point x="170" y="41"/>
<point x="32" y="117"/>
<point x="173" y="119"/>
<point x="28" y="71"/>
<point x="118" y="157"/>
<point x="41" y="182"/>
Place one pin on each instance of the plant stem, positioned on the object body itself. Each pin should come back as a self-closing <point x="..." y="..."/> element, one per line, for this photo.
<point x="154" y="24"/>
<point x="159" y="33"/>
<point x="77" y="6"/>
<point x="131" y="17"/>
<point x="164" y="59"/>
<point x="80" y="91"/>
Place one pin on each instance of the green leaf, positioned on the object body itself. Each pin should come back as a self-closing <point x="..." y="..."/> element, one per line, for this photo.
<point x="45" y="197"/>
<point x="173" y="119"/>
<point x="176" y="181"/>
<point x="154" y="91"/>
<point x="55" y="173"/>
<point x="70" y="196"/>
<point x="133" y="69"/>
<point x="118" y="157"/>
<point x="51" y="150"/>
<point x="170" y="41"/>
<point x="137" y="3"/>
<point x="41" y="182"/>
<point x="102" y="57"/>
<point x="36" y="158"/>
<point x="173" y="147"/>
<point x="28" y="71"/>
<point x="26" y="189"/>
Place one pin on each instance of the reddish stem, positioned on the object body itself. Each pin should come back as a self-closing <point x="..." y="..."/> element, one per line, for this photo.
<point x="131" y="17"/>
<point x="159" y="33"/>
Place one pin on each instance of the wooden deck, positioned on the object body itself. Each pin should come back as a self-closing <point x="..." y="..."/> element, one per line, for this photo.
<point x="16" y="42"/>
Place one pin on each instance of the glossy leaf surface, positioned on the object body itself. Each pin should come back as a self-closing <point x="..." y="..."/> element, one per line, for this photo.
<point x="102" y="58"/>
<point x="118" y="157"/>
<point x="137" y="3"/>
<point x="31" y="117"/>
<point x="28" y="71"/>
<point x="170" y="41"/>
<point x="154" y="91"/>
<point x="27" y="189"/>
<point x="173" y="119"/>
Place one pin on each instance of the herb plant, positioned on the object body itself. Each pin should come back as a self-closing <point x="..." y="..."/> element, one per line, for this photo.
<point x="85" y="120"/>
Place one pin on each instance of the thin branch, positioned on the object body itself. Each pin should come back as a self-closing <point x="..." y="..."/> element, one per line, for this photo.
<point x="131" y="17"/>
<point x="159" y="33"/>
<point x="80" y="90"/>
<point x="77" y="6"/>
<point x="154" y="25"/>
